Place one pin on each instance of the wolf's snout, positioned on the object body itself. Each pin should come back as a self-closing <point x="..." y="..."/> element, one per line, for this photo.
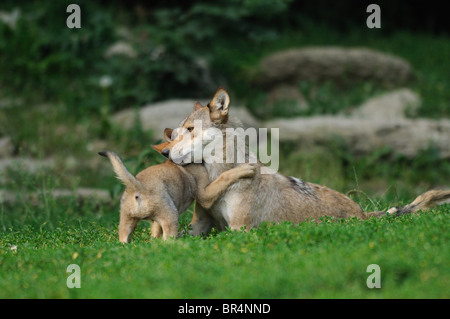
<point x="165" y="152"/>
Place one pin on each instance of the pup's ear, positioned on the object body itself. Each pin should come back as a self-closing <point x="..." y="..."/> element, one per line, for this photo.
<point x="219" y="106"/>
<point x="168" y="134"/>
<point x="197" y="106"/>
<point x="159" y="147"/>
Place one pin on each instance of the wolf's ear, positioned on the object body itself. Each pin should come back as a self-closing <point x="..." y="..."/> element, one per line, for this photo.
<point x="159" y="147"/>
<point x="197" y="106"/>
<point x="219" y="106"/>
<point x="168" y="134"/>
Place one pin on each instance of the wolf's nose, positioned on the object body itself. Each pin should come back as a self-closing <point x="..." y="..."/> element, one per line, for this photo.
<point x="165" y="152"/>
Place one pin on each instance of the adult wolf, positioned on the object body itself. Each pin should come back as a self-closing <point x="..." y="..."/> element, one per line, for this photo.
<point x="264" y="197"/>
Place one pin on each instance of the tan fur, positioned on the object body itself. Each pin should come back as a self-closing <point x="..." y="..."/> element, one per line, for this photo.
<point x="264" y="197"/>
<point x="161" y="193"/>
<point x="423" y="202"/>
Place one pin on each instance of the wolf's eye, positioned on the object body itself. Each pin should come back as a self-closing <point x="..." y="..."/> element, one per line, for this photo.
<point x="190" y="128"/>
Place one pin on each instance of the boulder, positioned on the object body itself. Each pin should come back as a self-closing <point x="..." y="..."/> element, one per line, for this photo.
<point x="378" y="123"/>
<point x="93" y="194"/>
<point x="26" y="164"/>
<point x="407" y="137"/>
<point x="120" y="48"/>
<point x="337" y="64"/>
<point x="157" y="116"/>
<point x="391" y="105"/>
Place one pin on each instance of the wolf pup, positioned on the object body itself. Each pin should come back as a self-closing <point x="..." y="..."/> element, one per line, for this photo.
<point x="162" y="192"/>
<point x="263" y="197"/>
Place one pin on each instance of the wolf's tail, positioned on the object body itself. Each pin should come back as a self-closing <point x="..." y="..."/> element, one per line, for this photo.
<point x="121" y="171"/>
<point x="423" y="202"/>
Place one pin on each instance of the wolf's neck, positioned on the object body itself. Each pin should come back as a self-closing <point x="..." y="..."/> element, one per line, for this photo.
<point x="234" y="149"/>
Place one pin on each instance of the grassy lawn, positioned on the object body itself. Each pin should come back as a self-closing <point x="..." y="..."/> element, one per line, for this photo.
<point x="308" y="260"/>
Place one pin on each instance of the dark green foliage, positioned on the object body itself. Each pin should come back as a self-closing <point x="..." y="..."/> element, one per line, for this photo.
<point x="185" y="51"/>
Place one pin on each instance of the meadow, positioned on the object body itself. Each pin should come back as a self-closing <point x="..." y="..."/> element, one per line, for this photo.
<point x="52" y="107"/>
<point x="308" y="260"/>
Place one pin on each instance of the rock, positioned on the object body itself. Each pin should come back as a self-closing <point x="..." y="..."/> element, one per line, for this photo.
<point x="96" y="145"/>
<point x="337" y="64"/>
<point x="155" y="117"/>
<point x="83" y="193"/>
<point x="120" y="48"/>
<point x="407" y="137"/>
<point x="378" y="123"/>
<point x="392" y="105"/>
<point x="158" y="116"/>
<point x="26" y="164"/>
<point x="34" y="197"/>
<point x="245" y="117"/>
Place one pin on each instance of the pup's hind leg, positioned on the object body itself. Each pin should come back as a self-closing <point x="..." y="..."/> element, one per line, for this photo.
<point x="157" y="230"/>
<point x="170" y="230"/>
<point x="168" y="219"/>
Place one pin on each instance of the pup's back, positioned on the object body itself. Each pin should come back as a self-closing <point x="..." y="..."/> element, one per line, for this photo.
<point x="171" y="179"/>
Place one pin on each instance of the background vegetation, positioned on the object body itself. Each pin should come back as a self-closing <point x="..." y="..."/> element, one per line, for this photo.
<point x="53" y="106"/>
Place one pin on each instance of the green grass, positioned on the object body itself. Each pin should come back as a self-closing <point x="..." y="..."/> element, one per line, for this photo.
<point x="308" y="260"/>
